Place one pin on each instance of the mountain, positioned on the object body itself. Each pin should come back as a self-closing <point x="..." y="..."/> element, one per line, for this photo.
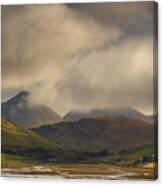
<point x="19" y="109"/>
<point x="96" y="113"/>
<point x="114" y="133"/>
<point x="76" y="115"/>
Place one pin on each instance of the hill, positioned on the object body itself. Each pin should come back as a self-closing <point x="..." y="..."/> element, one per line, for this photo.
<point x="26" y="145"/>
<point x="29" y="146"/>
<point x="16" y="137"/>
<point x="94" y="135"/>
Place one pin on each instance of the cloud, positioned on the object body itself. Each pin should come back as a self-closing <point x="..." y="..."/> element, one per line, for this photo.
<point x="79" y="56"/>
<point x="132" y="17"/>
<point x="44" y="36"/>
<point x="120" y="75"/>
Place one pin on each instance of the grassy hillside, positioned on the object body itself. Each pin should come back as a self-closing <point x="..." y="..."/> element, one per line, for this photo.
<point x="24" y="143"/>
<point x="16" y="136"/>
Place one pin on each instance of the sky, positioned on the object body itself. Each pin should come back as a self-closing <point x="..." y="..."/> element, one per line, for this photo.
<point x="79" y="56"/>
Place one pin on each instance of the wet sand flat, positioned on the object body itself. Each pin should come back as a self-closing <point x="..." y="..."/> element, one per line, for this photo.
<point x="77" y="171"/>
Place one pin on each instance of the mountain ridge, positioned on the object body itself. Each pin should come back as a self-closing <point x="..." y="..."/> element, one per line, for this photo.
<point x="104" y="112"/>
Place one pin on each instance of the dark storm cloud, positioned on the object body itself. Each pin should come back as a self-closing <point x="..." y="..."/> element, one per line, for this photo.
<point x="79" y="56"/>
<point x="133" y="17"/>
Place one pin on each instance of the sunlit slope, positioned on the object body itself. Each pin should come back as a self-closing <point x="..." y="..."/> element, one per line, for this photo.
<point x="13" y="135"/>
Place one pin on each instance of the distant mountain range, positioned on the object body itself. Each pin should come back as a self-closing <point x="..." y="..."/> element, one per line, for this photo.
<point x="114" y="133"/>
<point x="96" y="113"/>
<point x="18" y="109"/>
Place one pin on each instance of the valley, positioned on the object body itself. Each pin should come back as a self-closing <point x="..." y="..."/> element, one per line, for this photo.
<point x="113" y="146"/>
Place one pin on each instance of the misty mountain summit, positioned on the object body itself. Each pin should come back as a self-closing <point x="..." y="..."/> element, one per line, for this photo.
<point x="20" y="110"/>
<point x="104" y="112"/>
<point x="21" y="98"/>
